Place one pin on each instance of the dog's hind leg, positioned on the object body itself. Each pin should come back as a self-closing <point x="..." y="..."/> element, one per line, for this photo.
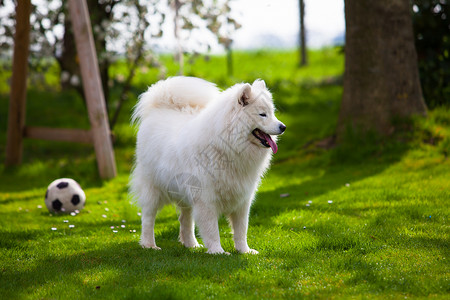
<point x="187" y="228"/>
<point x="150" y="207"/>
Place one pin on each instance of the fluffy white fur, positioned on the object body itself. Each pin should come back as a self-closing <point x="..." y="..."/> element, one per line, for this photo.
<point x="195" y="148"/>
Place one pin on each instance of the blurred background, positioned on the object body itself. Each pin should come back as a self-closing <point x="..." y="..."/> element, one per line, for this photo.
<point x="297" y="46"/>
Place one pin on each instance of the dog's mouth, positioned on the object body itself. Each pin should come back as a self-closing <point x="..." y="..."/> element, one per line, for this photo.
<point x="265" y="139"/>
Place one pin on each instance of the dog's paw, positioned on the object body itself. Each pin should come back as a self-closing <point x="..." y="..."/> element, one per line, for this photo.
<point x="149" y="245"/>
<point x="217" y="251"/>
<point x="221" y="253"/>
<point x="193" y="245"/>
<point x="248" y="251"/>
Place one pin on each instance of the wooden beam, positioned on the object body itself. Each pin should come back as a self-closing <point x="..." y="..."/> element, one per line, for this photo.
<point x="17" y="100"/>
<point x="93" y="88"/>
<point x="59" y="134"/>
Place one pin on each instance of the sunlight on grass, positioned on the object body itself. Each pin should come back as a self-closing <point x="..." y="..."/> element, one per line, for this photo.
<point x="366" y="219"/>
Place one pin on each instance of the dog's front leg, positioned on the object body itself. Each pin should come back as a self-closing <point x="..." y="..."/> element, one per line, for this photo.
<point x="239" y="223"/>
<point x="187" y="230"/>
<point x="206" y="218"/>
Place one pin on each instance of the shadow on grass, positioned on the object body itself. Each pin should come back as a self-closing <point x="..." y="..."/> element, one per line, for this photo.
<point x="334" y="176"/>
<point x="369" y="266"/>
<point x="50" y="161"/>
<point x="347" y="234"/>
<point x="18" y="239"/>
<point x="99" y="272"/>
<point x="310" y="114"/>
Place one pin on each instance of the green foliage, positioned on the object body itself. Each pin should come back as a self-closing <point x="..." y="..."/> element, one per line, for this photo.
<point x="121" y="29"/>
<point x="384" y="234"/>
<point x="431" y="20"/>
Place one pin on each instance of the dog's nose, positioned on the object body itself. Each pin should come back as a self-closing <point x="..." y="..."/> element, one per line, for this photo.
<point x="282" y="127"/>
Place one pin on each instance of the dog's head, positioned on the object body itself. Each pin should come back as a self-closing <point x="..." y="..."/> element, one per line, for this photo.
<point x="257" y="104"/>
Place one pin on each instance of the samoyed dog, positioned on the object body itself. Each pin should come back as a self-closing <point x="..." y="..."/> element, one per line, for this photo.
<point x="204" y="150"/>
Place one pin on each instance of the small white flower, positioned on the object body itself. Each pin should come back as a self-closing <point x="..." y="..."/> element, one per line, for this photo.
<point x="65" y="76"/>
<point x="330" y="201"/>
<point x="54" y="228"/>
<point x="106" y="209"/>
<point x="73" y="214"/>
<point x="39" y="206"/>
<point x="115" y="231"/>
<point x="347" y="184"/>
<point x="123" y="226"/>
<point x="66" y="221"/>
<point x="97" y="29"/>
<point x="74" y="80"/>
<point x="307" y="204"/>
<point x="71" y="226"/>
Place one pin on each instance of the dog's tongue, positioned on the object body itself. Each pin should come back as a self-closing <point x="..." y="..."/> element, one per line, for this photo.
<point x="271" y="142"/>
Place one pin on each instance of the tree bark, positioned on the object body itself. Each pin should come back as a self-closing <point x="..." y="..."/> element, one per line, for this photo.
<point x="302" y="35"/>
<point x="229" y="60"/>
<point x="381" y="80"/>
<point x="179" y="55"/>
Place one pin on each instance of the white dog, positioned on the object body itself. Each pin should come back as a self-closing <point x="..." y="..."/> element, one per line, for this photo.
<point x="205" y="151"/>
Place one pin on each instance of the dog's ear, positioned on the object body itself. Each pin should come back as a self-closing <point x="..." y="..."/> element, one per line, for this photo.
<point x="260" y="84"/>
<point x="244" y="95"/>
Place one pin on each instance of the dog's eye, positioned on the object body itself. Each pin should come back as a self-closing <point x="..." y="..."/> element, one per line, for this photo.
<point x="263" y="115"/>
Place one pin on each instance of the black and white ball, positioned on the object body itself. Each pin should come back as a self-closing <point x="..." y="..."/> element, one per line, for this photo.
<point x="64" y="195"/>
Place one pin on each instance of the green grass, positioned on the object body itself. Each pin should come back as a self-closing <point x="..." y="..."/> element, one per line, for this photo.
<point x="385" y="233"/>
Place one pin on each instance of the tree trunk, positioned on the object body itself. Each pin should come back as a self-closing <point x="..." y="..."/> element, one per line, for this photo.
<point x="179" y="56"/>
<point x="229" y="60"/>
<point x="381" y="81"/>
<point x="302" y="35"/>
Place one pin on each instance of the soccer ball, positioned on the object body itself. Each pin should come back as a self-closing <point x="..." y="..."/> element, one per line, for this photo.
<point x="64" y="195"/>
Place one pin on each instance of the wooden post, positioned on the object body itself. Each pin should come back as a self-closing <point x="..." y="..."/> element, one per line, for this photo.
<point x="93" y="88"/>
<point x="16" y="116"/>
<point x="59" y="134"/>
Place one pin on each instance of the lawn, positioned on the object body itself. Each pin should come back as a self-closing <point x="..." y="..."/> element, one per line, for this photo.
<point x="365" y="219"/>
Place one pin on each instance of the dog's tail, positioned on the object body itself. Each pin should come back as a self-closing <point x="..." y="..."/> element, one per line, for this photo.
<point x="177" y="93"/>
